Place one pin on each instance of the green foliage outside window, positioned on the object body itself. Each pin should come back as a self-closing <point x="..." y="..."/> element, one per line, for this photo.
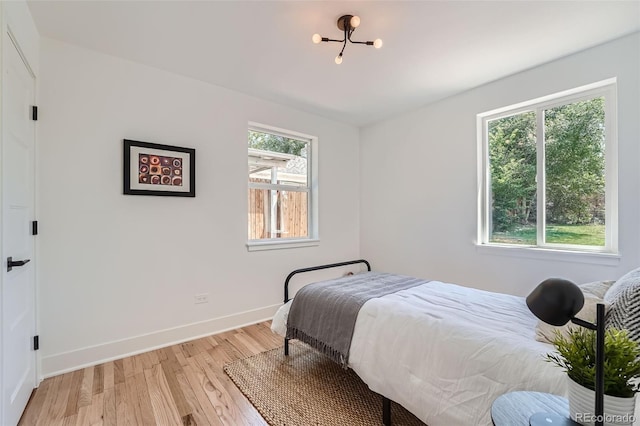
<point x="574" y="167"/>
<point x="512" y="153"/>
<point x="574" y="136"/>
<point x="275" y="143"/>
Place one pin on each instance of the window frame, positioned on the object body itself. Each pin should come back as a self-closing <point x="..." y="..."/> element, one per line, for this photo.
<point x="312" y="238"/>
<point x="606" y="89"/>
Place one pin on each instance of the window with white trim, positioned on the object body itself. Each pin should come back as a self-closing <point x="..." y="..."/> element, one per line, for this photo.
<point x="548" y="169"/>
<point x="282" y="186"/>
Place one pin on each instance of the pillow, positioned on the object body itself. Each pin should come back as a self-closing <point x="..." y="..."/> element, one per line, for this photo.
<point x="624" y="298"/>
<point x="597" y="288"/>
<point x="547" y="333"/>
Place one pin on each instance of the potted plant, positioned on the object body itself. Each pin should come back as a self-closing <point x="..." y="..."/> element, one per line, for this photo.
<point x="576" y="355"/>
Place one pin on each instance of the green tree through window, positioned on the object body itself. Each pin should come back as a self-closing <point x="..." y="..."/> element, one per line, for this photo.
<point x="512" y="153"/>
<point x="275" y="143"/>
<point x="572" y="141"/>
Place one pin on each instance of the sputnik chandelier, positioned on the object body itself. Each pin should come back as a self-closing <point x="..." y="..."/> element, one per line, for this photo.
<point x="348" y="24"/>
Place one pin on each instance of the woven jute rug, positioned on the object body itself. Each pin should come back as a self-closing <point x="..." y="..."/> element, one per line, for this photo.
<point x="307" y="388"/>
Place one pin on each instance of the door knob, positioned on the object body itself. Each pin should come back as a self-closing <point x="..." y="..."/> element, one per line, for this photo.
<point x="11" y="263"/>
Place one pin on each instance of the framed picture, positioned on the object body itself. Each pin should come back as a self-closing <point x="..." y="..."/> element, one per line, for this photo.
<point x="154" y="169"/>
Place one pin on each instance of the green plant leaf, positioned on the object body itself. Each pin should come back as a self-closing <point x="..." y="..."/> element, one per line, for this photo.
<point x="577" y="356"/>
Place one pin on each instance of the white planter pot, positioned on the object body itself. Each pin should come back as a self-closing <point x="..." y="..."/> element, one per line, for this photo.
<point x="617" y="411"/>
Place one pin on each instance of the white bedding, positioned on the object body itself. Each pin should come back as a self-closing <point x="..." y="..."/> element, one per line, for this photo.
<point x="445" y="352"/>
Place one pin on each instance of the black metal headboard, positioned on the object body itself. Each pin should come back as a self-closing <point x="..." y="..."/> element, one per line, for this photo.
<point x="315" y="268"/>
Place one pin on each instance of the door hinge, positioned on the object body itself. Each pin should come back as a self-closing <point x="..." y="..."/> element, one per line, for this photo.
<point x="34" y="113"/>
<point x="34" y="227"/>
<point x="36" y="343"/>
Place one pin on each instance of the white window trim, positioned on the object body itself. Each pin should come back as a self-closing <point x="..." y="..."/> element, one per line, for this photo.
<point x="312" y="189"/>
<point x="558" y="255"/>
<point x="604" y="255"/>
<point x="281" y="243"/>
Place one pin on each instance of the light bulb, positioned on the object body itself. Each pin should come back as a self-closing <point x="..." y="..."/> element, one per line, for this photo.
<point x="317" y="38"/>
<point x="354" y="21"/>
<point x="339" y="59"/>
<point x="377" y="43"/>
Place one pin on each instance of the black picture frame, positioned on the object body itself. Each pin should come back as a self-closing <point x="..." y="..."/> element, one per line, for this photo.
<point x="159" y="170"/>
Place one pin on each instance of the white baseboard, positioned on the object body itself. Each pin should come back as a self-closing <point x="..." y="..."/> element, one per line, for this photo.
<point x="52" y="365"/>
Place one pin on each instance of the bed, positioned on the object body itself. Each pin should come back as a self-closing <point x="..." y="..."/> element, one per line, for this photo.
<point x="442" y="351"/>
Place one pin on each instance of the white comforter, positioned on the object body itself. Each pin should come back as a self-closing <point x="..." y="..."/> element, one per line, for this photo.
<point x="445" y="352"/>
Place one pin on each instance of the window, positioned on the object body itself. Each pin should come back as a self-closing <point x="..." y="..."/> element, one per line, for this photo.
<point x="282" y="186"/>
<point x="549" y="172"/>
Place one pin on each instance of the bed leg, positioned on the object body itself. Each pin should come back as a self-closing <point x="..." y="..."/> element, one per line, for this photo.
<point x="286" y="347"/>
<point x="386" y="411"/>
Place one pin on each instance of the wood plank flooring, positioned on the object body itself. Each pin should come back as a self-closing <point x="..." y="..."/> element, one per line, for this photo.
<point x="182" y="384"/>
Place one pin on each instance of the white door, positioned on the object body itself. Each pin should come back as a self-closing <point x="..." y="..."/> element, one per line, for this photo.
<point x="18" y="284"/>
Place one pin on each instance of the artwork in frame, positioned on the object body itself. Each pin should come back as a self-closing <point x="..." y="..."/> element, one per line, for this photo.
<point x="154" y="169"/>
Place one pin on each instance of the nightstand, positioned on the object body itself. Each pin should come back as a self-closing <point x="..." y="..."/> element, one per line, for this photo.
<point x="515" y="409"/>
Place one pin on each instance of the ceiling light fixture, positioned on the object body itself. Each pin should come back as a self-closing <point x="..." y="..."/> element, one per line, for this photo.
<point x="348" y="24"/>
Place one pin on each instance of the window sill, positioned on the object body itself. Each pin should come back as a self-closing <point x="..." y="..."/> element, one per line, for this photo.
<point x="280" y="244"/>
<point x="597" y="258"/>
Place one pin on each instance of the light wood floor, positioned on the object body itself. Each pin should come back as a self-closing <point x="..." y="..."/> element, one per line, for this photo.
<point x="179" y="385"/>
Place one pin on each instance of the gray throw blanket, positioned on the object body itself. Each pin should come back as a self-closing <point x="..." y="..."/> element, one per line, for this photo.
<point x="323" y="315"/>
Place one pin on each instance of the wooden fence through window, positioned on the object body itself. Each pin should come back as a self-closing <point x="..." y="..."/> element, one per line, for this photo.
<point x="291" y="213"/>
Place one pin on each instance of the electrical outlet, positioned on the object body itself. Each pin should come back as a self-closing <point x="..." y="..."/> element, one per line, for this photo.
<point x="201" y="298"/>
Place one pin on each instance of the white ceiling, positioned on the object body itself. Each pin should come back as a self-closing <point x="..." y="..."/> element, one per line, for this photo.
<point x="432" y="49"/>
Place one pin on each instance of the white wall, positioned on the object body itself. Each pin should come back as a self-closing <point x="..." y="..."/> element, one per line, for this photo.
<point x="418" y="206"/>
<point x="119" y="273"/>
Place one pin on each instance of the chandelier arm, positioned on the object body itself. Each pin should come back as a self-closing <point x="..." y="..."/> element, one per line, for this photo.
<point x="351" y="30"/>
<point x="368" y="43"/>
<point x="343" y="46"/>
<point x="347" y="34"/>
